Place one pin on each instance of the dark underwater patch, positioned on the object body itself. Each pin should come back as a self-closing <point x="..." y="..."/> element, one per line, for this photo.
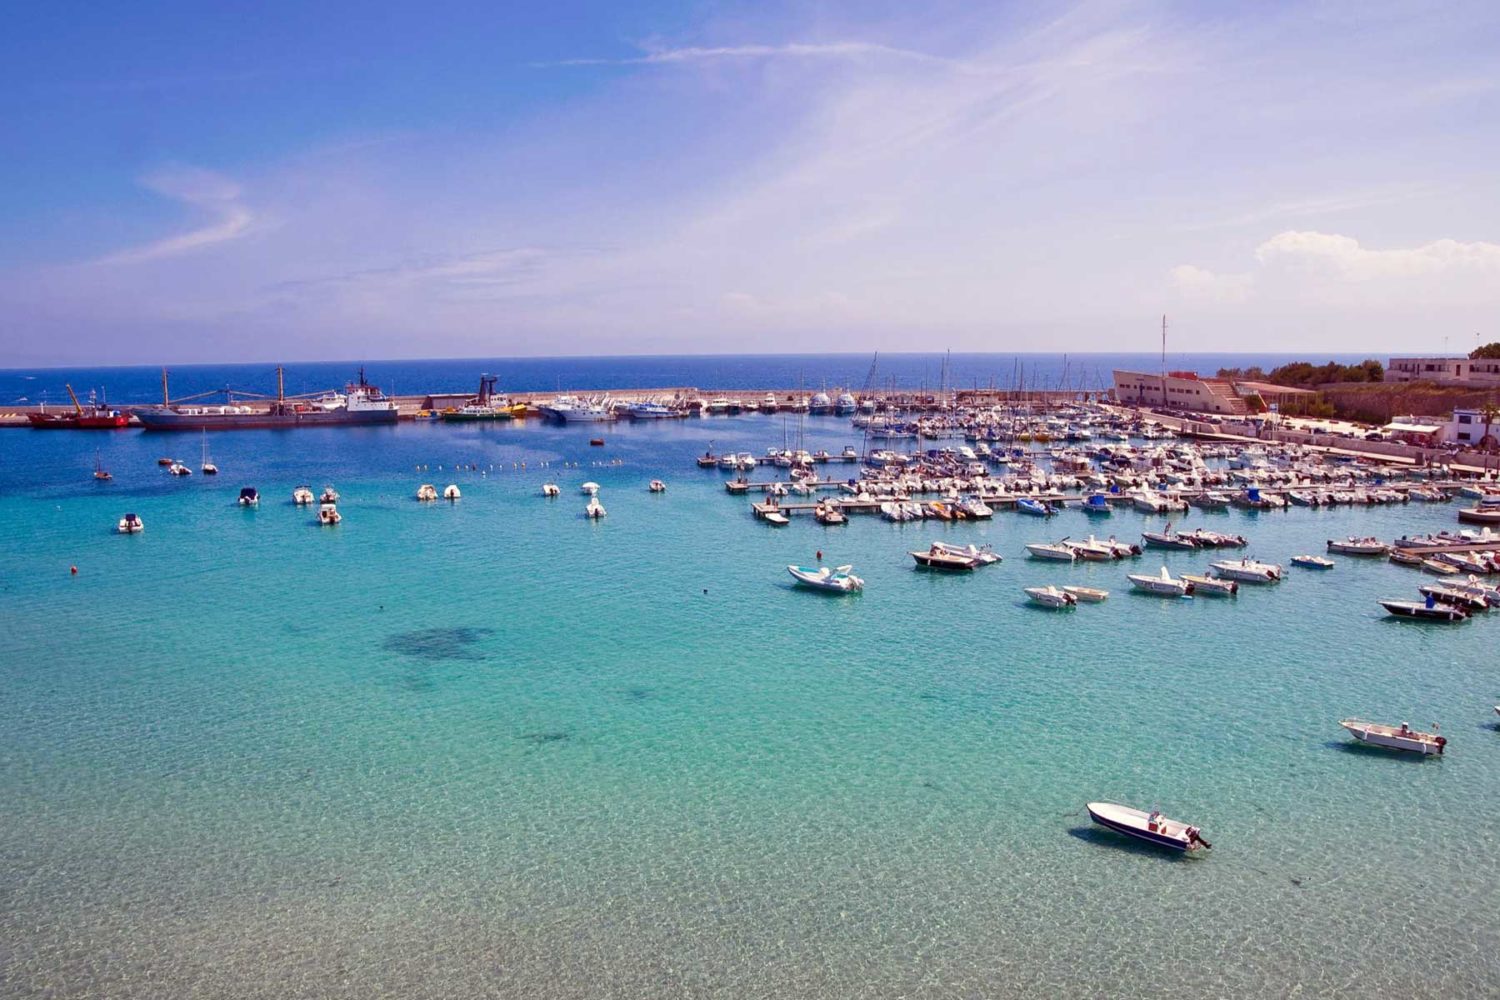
<point x="540" y="739"/>
<point x="438" y="643"/>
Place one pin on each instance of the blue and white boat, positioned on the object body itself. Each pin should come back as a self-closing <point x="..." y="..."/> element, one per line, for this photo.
<point x="1152" y="827"/>
<point x="1097" y="505"/>
<point x="1035" y="508"/>
<point x="820" y="403"/>
<point x="844" y="404"/>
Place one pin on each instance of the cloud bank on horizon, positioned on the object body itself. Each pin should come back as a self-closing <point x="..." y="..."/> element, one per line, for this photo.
<point x="674" y="178"/>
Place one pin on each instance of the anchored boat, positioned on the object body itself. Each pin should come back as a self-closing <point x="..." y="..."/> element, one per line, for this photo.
<point x="1163" y="584"/>
<point x="1152" y="827"/>
<point x="839" y="580"/>
<point x="1401" y="737"/>
<point x="1051" y="597"/>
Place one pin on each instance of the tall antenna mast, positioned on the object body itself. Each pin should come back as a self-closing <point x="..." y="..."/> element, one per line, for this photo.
<point x="1164" y="344"/>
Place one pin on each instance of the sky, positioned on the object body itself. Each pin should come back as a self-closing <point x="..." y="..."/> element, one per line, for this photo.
<point x="189" y="182"/>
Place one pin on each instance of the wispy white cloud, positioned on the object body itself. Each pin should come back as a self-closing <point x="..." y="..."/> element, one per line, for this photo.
<point x="1330" y="256"/>
<point x="796" y="50"/>
<point x="212" y="194"/>
<point x="1194" y="282"/>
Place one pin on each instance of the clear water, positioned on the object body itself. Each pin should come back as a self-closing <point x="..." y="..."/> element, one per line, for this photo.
<point x="491" y="748"/>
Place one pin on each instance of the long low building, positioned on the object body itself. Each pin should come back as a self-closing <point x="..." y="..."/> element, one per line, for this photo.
<point x="1481" y="373"/>
<point x="1201" y="394"/>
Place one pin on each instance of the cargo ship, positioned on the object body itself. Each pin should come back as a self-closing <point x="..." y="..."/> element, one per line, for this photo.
<point x="359" y="404"/>
<point x="94" y="417"/>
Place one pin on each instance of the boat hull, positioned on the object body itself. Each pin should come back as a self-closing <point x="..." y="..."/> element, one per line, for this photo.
<point x="170" y="420"/>
<point x="75" y="422"/>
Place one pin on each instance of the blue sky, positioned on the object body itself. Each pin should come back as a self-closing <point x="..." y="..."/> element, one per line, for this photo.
<point x="304" y="181"/>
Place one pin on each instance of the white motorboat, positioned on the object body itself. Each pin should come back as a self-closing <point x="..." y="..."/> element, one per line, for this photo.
<point x="657" y="486"/>
<point x="1247" y="570"/>
<point x="1459" y="598"/>
<point x="131" y="524"/>
<point x="1210" y="500"/>
<point x="777" y="518"/>
<point x="328" y="513"/>
<point x="450" y="492"/>
<point x="1168" y="540"/>
<point x="1428" y="610"/>
<point x="427" y="491"/>
<point x="1353" y="546"/>
<point x="249" y="497"/>
<point x="1091" y="550"/>
<point x="1163" y="584"/>
<point x="1152" y="827"/>
<point x="838" y="580"/>
<point x="1092" y="595"/>
<point x="1051" y="597"/>
<point x="1051" y="550"/>
<point x="984" y="554"/>
<point x="828" y="513"/>
<point x="302" y="496"/>
<point x="178" y="469"/>
<point x="1212" y="585"/>
<point x="551" y="490"/>
<point x="589" y="489"/>
<point x="329" y="495"/>
<point x="1401" y="737"/>
<point x="595" y="509"/>
<point x="1481" y="514"/>
<point x="939" y="558"/>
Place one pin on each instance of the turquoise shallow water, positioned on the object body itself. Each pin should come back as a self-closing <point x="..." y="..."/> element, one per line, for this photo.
<point x="494" y="749"/>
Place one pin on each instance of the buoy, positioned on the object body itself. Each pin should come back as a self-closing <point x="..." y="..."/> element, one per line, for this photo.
<point x="73" y="570"/>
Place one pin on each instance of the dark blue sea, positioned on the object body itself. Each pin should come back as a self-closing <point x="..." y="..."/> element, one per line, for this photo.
<point x="748" y="371"/>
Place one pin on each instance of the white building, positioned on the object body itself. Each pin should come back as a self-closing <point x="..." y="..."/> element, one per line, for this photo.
<point x="1466" y="428"/>
<point x="1480" y="372"/>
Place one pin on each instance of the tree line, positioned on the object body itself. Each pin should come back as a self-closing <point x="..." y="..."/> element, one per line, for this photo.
<point x="1304" y="374"/>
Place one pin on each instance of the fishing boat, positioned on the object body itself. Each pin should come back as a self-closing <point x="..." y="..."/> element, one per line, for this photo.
<point x="1428" y="610"/>
<point x="485" y="405"/>
<point x="101" y="475"/>
<point x="1401" y="737"/>
<point x="1051" y="550"/>
<point x="551" y="490"/>
<point x="594" y="510"/>
<point x="328" y="513"/>
<point x="451" y="492"/>
<point x="249" y="496"/>
<point x="130" y="524"/>
<point x="1247" y="570"/>
<point x="1211" y="586"/>
<point x="1152" y="827"/>
<point x="1051" y="597"/>
<point x="1035" y="508"/>
<point x="1353" y="546"/>
<point x="657" y="486"/>
<point x="1163" y="584"/>
<point x="426" y="492"/>
<point x="939" y="558"/>
<point x="839" y="580"/>
<point x="95" y="417"/>
<point x="1092" y="595"/>
<point x="302" y="496"/>
<point x="983" y="554"/>
<point x="572" y="410"/>
<point x="1312" y="562"/>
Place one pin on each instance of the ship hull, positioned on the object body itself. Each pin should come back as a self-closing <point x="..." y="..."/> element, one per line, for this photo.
<point x="166" y="420"/>
<point x="73" y="422"/>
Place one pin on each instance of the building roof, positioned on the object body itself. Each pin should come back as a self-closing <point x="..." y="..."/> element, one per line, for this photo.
<point x="1399" y="428"/>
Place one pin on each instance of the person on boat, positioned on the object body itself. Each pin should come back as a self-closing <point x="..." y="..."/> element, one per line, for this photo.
<point x="1405" y="729"/>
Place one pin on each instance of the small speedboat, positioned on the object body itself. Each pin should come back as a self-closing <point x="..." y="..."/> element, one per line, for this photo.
<point x="1312" y="562"/>
<point x="1466" y="599"/>
<point x="551" y="490"/>
<point x="451" y="492"/>
<point x="657" y="486"/>
<point x="1247" y="570"/>
<point x="1210" y="501"/>
<point x="838" y="580"/>
<point x="1097" y="506"/>
<point x="1401" y="737"/>
<point x="1051" y="550"/>
<point x="939" y="558"/>
<point x="982" y="554"/>
<point x="1092" y="595"/>
<point x="1211" y="585"/>
<point x="1152" y="827"/>
<point x="1353" y="546"/>
<point x="589" y="489"/>
<point x="829" y="514"/>
<point x="130" y="524"/>
<point x="1162" y="584"/>
<point x="1091" y="550"/>
<point x="1428" y="610"/>
<point x="328" y="513"/>
<point x="777" y="518"/>
<point x="427" y="491"/>
<point x="1051" y="597"/>
<point x="1439" y="568"/>
<point x="178" y="469"/>
<point x="1167" y="540"/>
<point x="595" y="509"/>
<point x="302" y="496"/>
<point x="329" y="495"/>
<point x="249" y="497"/>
